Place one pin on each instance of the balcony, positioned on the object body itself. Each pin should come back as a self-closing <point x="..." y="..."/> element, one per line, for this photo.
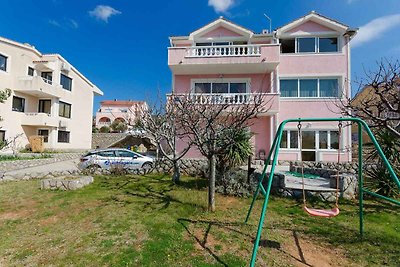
<point x="229" y="59"/>
<point x="270" y="100"/>
<point x="39" y="119"/>
<point x="38" y="87"/>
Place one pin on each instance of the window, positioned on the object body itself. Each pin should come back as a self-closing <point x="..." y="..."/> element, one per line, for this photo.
<point x="107" y="154"/>
<point x="288" y="46"/>
<point x="220" y="87"/>
<point x="63" y="137"/>
<point x="334" y="140"/>
<point x="45" y="134"/>
<point x="308" y="140"/>
<point x="306" y="45"/>
<point x="44" y="106"/>
<point x="308" y="88"/>
<point x="126" y="154"/>
<point x="66" y="82"/>
<point x="293" y="138"/>
<point x="18" y="104"/>
<point x="328" y="45"/>
<point x="202" y="88"/>
<point x="326" y="87"/>
<point x="30" y="71"/>
<point x="47" y="77"/>
<point x="310" y="45"/>
<point x="324" y="138"/>
<point x="2" y="136"/>
<point x="289" y="88"/>
<point x="3" y="63"/>
<point x="64" y="110"/>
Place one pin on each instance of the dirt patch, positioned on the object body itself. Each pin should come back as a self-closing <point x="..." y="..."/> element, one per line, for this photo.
<point x="305" y="252"/>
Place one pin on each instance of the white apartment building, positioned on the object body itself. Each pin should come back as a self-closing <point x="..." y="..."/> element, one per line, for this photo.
<point x="49" y="97"/>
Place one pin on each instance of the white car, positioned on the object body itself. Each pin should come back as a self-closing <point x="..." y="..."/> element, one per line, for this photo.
<point x="115" y="157"/>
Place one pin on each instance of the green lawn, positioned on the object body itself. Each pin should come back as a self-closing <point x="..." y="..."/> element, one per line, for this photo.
<point x="148" y="221"/>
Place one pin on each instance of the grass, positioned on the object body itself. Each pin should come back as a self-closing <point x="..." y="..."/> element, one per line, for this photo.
<point x="11" y="158"/>
<point x="148" y="221"/>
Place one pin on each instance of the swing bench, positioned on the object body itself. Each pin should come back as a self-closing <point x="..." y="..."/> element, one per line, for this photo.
<point x="326" y="213"/>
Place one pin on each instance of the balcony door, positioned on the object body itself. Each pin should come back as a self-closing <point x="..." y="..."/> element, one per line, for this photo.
<point x="47" y="77"/>
<point x="44" y="106"/>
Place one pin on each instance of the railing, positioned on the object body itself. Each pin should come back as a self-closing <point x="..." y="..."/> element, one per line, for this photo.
<point x="47" y="80"/>
<point x="104" y="123"/>
<point x="235" y="99"/>
<point x="224" y="51"/>
<point x="37" y="114"/>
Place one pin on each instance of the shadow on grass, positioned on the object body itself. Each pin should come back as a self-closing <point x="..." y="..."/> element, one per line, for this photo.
<point x="154" y="189"/>
<point x="229" y="226"/>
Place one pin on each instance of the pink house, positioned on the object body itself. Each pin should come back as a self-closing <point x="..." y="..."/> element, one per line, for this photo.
<point x="126" y="111"/>
<point x="302" y="68"/>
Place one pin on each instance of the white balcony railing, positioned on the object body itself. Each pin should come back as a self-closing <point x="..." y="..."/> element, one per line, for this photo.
<point x="104" y="123"/>
<point x="234" y="99"/>
<point x="223" y="51"/>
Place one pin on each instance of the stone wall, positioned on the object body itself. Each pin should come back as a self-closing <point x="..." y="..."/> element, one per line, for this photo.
<point x="11" y="165"/>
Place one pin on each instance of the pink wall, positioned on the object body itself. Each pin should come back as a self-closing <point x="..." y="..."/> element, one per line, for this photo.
<point x="262" y="135"/>
<point x="258" y="82"/>
<point x="312" y="64"/>
<point x="220" y="32"/>
<point x="310" y="26"/>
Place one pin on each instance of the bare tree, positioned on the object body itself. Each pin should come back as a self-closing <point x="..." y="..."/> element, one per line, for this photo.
<point x="378" y="99"/>
<point x="160" y="122"/>
<point x="210" y="123"/>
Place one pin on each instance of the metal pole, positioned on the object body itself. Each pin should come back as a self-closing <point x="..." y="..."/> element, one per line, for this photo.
<point x="265" y="204"/>
<point x="360" y="179"/>
<point x="266" y="163"/>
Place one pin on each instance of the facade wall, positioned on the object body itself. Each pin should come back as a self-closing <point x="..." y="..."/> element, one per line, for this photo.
<point x="23" y="124"/>
<point x="296" y="65"/>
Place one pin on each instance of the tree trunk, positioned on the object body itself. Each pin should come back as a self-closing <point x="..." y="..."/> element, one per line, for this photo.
<point x="177" y="175"/>
<point x="211" y="185"/>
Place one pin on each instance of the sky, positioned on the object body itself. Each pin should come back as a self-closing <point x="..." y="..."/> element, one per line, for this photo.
<point x="121" y="45"/>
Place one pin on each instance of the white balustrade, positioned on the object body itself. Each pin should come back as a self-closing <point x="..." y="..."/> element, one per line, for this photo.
<point x="223" y="51"/>
<point x="232" y="99"/>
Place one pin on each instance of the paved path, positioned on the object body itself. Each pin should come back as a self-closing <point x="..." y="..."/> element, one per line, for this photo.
<point x="67" y="165"/>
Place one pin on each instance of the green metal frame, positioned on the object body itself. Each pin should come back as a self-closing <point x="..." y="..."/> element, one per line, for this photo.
<point x="273" y="153"/>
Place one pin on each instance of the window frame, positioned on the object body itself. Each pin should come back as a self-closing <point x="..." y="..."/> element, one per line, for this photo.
<point x="229" y="81"/>
<point x="67" y="78"/>
<point x="5" y="62"/>
<point x="316" y="44"/>
<point x="63" y="113"/>
<point x="62" y="140"/>
<point x="46" y="137"/>
<point x="338" y="78"/>
<point x="2" y="135"/>
<point x="29" y="71"/>
<point x="329" y="148"/>
<point x="42" y="106"/>
<point x="23" y="104"/>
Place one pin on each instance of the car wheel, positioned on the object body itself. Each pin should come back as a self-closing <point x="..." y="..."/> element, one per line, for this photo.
<point x="146" y="167"/>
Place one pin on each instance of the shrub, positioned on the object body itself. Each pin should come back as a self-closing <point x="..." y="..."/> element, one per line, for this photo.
<point x="105" y="129"/>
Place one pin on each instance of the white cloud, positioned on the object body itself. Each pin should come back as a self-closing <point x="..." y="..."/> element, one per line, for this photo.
<point x="103" y="13"/>
<point x="375" y="28"/>
<point x="73" y="24"/>
<point x="65" y="23"/>
<point x="221" y="5"/>
<point x="54" y="23"/>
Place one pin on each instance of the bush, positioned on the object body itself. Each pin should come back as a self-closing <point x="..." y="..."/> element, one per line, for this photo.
<point x="105" y="129"/>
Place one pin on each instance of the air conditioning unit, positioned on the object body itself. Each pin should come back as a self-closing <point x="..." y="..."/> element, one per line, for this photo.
<point x="65" y="66"/>
<point x="62" y="124"/>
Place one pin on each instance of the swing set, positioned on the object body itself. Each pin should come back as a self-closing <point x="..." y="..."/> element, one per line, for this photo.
<point x="273" y="154"/>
